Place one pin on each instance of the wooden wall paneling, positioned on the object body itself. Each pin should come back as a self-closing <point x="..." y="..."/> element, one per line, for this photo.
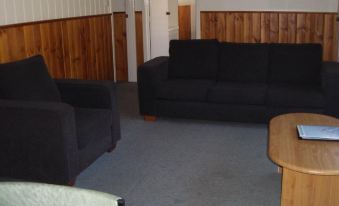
<point x="51" y="47"/>
<point x="301" y="28"/>
<point x="100" y="51"/>
<point x="109" y="47"/>
<point x="329" y="37"/>
<point x="283" y="28"/>
<point x="140" y="38"/>
<point x="238" y="27"/>
<point x="184" y="22"/>
<point x="256" y="33"/>
<point x="4" y="54"/>
<point x="220" y="26"/>
<point x="13" y="44"/>
<point x="230" y="27"/>
<point x="32" y="39"/>
<point x="265" y="28"/>
<point x="292" y="28"/>
<point x="93" y="66"/>
<point x="120" y="46"/>
<point x="273" y="27"/>
<point x="208" y="25"/>
<point x="319" y="28"/>
<point x="248" y="28"/>
<point x="78" y="48"/>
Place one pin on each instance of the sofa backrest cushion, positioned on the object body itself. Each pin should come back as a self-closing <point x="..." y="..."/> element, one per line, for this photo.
<point x="295" y="63"/>
<point x="243" y="62"/>
<point x="27" y="79"/>
<point x="193" y="59"/>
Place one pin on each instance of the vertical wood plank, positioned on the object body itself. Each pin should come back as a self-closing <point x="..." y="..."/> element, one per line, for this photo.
<point x="265" y="27"/>
<point x="208" y="26"/>
<point x="220" y="26"/>
<point x="256" y="34"/>
<point x="239" y="27"/>
<point x="274" y="27"/>
<point x="140" y="38"/>
<point x="283" y="28"/>
<point x="248" y="27"/>
<point x="120" y="46"/>
<point x="230" y="27"/>
<point x="301" y="28"/>
<point x="329" y="37"/>
<point x="319" y="29"/>
<point x="292" y="27"/>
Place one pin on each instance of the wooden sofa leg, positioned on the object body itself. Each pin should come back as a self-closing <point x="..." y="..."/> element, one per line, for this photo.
<point x="71" y="182"/>
<point x="150" y="118"/>
<point x="109" y="150"/>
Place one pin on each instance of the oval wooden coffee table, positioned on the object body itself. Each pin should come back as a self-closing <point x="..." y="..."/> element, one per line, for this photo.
<point x="310" y="168"/>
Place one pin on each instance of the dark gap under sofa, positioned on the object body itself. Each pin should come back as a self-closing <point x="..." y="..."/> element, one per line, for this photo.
<point x="243" y="82"/>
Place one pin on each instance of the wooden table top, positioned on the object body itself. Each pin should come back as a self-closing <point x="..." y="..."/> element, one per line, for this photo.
<point x="306" y="156"/>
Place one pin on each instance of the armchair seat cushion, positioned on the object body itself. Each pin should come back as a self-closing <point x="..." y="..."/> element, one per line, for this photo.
<point x="295" y="96"/>
<point x="92" y="124"/>
<point x="184" y="89"/>
<point x="238" y="93"/>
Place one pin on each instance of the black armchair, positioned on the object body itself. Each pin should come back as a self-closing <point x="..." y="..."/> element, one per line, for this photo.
<point x="52" y="140"/>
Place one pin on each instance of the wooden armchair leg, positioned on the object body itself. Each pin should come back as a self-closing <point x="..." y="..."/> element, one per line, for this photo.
<point x="109" y="150"/>
<point x="71" y="182"/>
<point x="150" y="118"/>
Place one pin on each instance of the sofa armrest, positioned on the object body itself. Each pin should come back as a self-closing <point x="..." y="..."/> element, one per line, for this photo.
<point x="330" y="84"/>
<point x="38" y="141"/>
<point x="150" y="74"/>
<point x="92" y="94"/>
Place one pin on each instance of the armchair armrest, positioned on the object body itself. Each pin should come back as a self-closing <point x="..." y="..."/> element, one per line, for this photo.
<point x="87" y="93"/>
<point x="92" y="94"/>
<point x="150" y="74"/>
<point x="330" y="83"/>
<point x="38" y="141"/>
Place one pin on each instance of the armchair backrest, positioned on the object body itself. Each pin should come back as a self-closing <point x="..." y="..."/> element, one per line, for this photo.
<point x="27" y="79"/>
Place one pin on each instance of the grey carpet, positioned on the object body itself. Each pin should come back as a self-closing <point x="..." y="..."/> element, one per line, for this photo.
<point x="176" y="162"/>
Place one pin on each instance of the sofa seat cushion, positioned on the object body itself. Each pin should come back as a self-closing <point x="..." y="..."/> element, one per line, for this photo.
<point x="295" y="96"/>
<point x="243" y="62"/>
<point x="238" y="93"/>
<point x="193" y="59"/>
<point x="92" y="125"/>
<point x="295" y="64"/>
<point x="184" y="89"/>
<point x="28" y="79"/>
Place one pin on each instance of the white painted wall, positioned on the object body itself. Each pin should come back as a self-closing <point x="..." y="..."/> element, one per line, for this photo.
<point x="118" y="5"/>
<point x="268" y="5"/>
<point x="20" y="11"/>
<point x="139" y="5"/>
<point x="173" y="19"/>
<point x="263" y="5"/>
<point x="131" y="41"/>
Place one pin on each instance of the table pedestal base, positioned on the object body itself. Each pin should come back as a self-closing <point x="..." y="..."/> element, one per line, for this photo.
<point x="300" y="189"/>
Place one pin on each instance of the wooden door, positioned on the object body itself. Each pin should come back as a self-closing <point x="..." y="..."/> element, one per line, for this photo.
<point x="184" y="22"/>
<point x="120" y="42"/>
<point x="139" y="37"/>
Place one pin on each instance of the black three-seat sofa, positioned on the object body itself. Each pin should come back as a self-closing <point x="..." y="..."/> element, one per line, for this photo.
<point x="244" y="82"/>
